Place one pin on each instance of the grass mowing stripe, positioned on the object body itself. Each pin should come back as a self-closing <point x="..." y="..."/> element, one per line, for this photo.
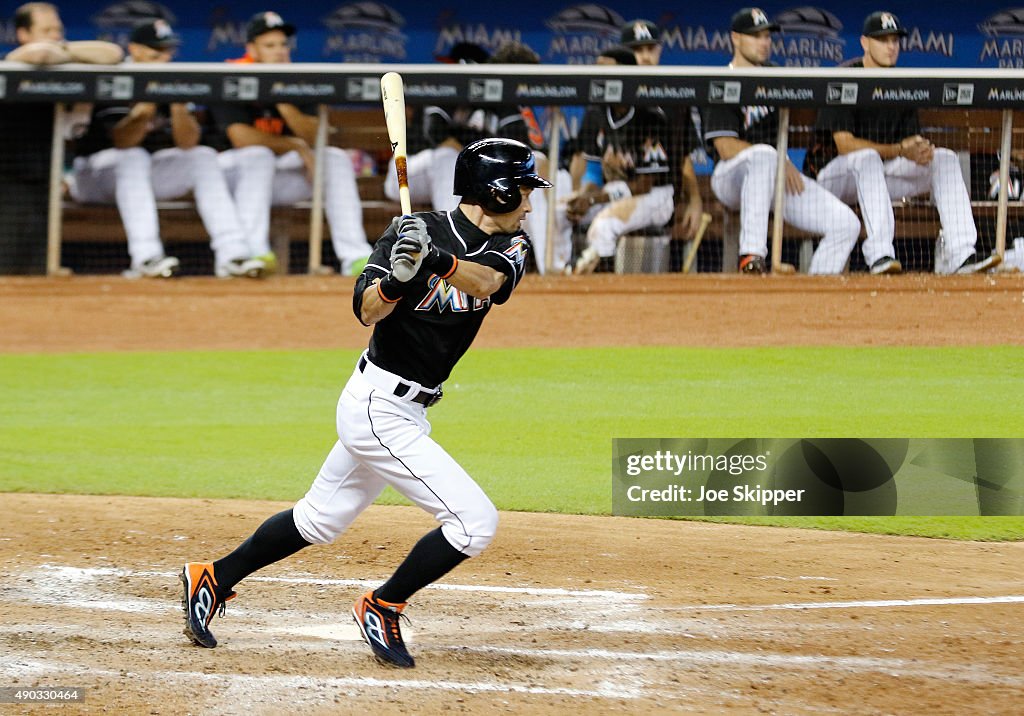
<point x="533" y="426"/>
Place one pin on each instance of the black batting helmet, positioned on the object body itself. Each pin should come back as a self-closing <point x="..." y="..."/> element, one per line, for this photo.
<point x="489" y="172"/>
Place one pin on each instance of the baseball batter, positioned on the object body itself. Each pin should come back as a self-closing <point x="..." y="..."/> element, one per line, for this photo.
<point x="466" y="261"/>
<point x="877" y="155"/>
<point x="742" y="140"/>
<point x="135" y="155"/>
<point x="281" y="136"/>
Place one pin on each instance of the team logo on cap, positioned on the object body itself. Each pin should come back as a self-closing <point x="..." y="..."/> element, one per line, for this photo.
<point x="272" y="19"/>
<point x="642" y="32"/>
<point x="162" y="29"/>
<point x="888" y="21"/>
<point x="758" y="17"/>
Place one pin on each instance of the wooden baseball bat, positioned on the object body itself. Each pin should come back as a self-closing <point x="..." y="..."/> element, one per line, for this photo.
<point x="392" y="92"/>
<point x="705" y="221"/>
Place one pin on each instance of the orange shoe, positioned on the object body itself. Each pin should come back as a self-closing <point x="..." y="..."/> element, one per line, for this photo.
<point x="379" y="624"/>
<point x="201" y="600"/>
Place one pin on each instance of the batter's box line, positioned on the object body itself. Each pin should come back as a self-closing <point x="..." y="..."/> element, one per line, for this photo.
<point x="870" y="604"/>
<point x="487" y="589"/>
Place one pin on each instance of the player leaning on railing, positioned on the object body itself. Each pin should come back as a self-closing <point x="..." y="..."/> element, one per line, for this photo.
<point x="875" y="155"/>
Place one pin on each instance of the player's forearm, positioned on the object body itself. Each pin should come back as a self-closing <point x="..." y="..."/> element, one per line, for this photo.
<point x="577" y="168"/>
<point x="95" y="52"/>
<point x="476" y="279"/>
<point x="301" y="124"/>
<point x="131" y="130"/>
<point x="847" y="143"/>
<point x="374" y="308"/>
<point x="690" y="186"/>
<point x="184" y="128"/>
<point x="245" y="135"/>
<point x="40" y="53"/>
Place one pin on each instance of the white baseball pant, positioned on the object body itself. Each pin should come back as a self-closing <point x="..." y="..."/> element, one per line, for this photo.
<point x="431" y="175"/>
<point x="651" y="209"/>
<point x="537" y="224"/>
<point x="385" y="440"/>
<point x="863" y="176"/>
<point x="135" y="180"/>
<point x="289" y="185"/>
<point x="747" y="183"/>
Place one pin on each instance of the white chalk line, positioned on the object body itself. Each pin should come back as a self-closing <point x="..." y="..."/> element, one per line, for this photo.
<point x="693" y="657"/>
<point x="85" y="572"/>
<point x="869" y="604"/>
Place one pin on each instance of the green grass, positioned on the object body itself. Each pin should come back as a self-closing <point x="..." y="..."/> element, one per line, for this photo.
<point x="534" y="427"/>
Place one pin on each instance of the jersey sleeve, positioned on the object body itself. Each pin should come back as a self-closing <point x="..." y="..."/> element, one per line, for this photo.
<point x="379" y="263"/>
<point x="720" y="122"/>
<point x="508" y="256"/>
<point x="587" y="141"/>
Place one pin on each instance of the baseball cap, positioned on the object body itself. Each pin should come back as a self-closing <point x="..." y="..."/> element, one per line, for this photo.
<point x="464" y="53"/>
<point x="264" y="22"/>
<point x="637" y="33"/>
<point x="751" y="20"/>
<point x="156" y="34"/>
<point x="621" y="55"/>
<point x="880" y="24"/>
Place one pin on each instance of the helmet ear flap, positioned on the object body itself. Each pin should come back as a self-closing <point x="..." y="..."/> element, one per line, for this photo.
<point x="502" y="200"/>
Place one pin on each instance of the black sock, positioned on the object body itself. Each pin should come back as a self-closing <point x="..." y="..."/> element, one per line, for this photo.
<point x="274" y="540"/>
<point x="431" y="558"/>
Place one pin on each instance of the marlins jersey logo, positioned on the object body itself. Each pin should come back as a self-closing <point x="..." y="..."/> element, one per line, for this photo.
<point x="442" y="295"/>
<point x="754" y="115"/>
<point x="516" y="252"/>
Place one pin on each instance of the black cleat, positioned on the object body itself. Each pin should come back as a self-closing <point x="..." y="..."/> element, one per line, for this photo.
<point x="378" y="623"/>
<point x="200" y="601"/>
<point x="753" y="264"/>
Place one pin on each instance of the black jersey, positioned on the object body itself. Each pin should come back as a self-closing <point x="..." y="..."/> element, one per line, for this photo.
<point x="263" y="117"/>
<point x="435" y="323"/>
<point x="105" y="117"/>
<point x="650" y="145"/>
<point x="883" y="125"/>
<point x="756" y="124"/>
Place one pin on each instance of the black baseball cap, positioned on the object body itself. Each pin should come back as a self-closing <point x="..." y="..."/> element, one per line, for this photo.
<point x="751" y="20"/>
<point x="637" y="33"/>
<point x="880" y="24"/>
<point x="264" y="22"/>
<point x="621" y="55"/>
<point x="156" y="34"/>
<point x="464" y="53"/>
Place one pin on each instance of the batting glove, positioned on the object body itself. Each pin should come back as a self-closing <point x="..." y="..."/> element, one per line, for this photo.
<point x="437" y="260"/>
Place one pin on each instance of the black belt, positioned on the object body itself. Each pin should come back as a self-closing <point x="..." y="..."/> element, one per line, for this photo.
<point x="424" y="397"/>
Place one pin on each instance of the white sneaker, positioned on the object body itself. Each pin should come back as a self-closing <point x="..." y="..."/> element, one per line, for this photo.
<point x="247" y="268"/>
<point x="162" y="267"/>
<point x="587" y="261"/>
